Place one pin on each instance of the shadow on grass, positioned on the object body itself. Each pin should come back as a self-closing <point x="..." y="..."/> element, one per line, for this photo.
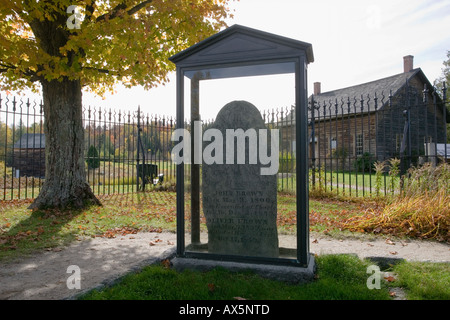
<point x="35" y="230"/>
<point x="23" y="231"/>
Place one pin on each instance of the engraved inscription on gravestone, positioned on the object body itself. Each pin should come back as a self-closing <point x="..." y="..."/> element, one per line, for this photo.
<point x="240" y="204"/>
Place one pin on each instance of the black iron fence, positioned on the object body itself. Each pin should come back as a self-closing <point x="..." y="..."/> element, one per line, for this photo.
<point x="359" y="145"/>
<point x="111" y="149"/>
<point x="362" y="144"/>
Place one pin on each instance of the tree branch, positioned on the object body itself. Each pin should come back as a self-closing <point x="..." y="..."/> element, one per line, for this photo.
<point x="6" y="67"/>
<point x="105" y="71"/>
<point x="90" y="8"/>
<point x="98" y="69"/>
<point x="30" y="74"/>
<point x="122" y="6"/>
<point x="138" y="7"/>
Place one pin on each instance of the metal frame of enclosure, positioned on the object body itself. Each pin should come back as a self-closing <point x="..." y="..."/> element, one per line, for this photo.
<point x="240" y="51"/>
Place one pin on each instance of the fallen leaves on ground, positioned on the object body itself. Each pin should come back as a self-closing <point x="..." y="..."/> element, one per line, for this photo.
<point x="166" y="263"/>
<point x="327" y="220"/>
<point x="126" y="230"/>
<point x="121" y="231"/>
<point x="389" y="278"/>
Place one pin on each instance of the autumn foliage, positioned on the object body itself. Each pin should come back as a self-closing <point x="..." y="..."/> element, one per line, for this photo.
<point x="117" y="41"/>
<point x="67" y="46"/>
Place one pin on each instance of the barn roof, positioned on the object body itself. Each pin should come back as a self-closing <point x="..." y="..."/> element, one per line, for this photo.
<point x="325" y="102"/>
<point x="31" y="141"/>
<point x="381" y="89"/>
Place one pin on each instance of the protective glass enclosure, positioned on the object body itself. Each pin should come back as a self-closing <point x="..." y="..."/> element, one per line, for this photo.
<point x="232" y="150"/>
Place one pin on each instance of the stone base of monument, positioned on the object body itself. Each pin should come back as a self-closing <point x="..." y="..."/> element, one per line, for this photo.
<point x="291" y="274"/>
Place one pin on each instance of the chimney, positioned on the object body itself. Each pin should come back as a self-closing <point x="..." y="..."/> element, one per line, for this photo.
<point x="408" y="63"/>
<point x="317" y="88"/>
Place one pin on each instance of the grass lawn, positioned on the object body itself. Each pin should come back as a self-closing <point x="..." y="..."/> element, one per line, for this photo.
<point x="23" y="231"/>
<point x="354" y="184"/>
<point x="340" y="277"/>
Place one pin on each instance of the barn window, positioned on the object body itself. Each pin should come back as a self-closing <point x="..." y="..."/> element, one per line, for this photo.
<point x="333" y="144"/>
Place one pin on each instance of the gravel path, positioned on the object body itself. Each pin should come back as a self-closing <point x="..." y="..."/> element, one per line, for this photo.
<point x="45" y="276"/>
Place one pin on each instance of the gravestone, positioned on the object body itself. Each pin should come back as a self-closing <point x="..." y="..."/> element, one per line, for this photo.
<point x="240" y="204"/>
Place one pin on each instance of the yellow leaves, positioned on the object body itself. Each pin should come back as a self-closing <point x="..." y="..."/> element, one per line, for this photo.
<point x="130" y="48"/>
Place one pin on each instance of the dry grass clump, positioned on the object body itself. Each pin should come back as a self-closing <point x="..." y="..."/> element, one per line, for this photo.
<point x="422" y="209"/>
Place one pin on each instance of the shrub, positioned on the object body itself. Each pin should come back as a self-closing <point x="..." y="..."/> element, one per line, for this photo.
<point x="394" y="170"/>
<point x="427" y="179"/>
<point x="93" y="160"/>
<point x="379" y="169"/>
<point x="287" y="162"/>
<point x="364" y="163"/>
<point x="4" y="171"/>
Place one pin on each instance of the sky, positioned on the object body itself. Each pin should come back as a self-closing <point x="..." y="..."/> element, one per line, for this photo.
<point x="354" y="41"/>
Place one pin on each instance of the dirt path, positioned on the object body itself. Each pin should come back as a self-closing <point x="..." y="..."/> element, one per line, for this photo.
<point x="101" y="261"/>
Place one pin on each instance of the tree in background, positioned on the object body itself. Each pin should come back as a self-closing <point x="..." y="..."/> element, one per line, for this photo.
<point x="63" y="46"/>
<point x="93" y="160"/>
<point x="445" y="77"/>
<point x="5" y="140"/>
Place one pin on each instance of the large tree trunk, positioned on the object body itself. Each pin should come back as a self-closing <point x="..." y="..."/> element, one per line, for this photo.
<point x="65" y="178"/>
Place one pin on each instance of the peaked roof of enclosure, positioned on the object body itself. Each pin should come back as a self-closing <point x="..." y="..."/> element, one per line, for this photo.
<point x="239" y="44"/>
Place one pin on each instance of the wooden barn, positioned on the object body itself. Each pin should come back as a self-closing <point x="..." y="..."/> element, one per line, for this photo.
<point x="399" y="116"/>
<point x="29" y="155"/>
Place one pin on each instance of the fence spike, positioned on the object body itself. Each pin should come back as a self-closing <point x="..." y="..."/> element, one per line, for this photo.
<point x="20" y="105"/>
<point x="362" y="103"/>
<point x="375" y="99"/>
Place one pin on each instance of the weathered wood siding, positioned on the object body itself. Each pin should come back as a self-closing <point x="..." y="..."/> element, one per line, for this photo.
<point x="29" y="162"/>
